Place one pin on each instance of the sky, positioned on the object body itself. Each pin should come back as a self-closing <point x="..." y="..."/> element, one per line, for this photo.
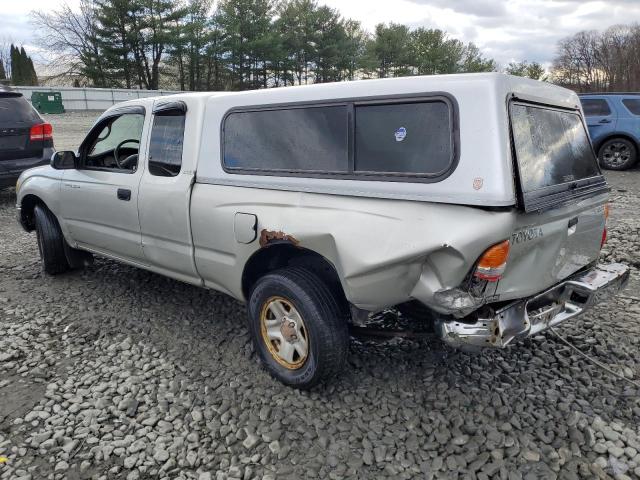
<point x="505" y="30"/>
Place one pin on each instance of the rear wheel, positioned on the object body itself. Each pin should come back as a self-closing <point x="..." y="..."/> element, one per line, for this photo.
<point x="298" y="328"/>
<point x="51" y="243"/>
<point x="617" y="154"/>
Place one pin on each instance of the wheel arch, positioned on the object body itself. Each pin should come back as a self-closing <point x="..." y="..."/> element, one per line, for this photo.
<point x="28" y="205"/>
<point x="283" y="254"/>
<point x="612" y="136"/>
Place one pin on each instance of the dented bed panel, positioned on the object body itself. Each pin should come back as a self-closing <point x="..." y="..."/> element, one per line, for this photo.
<point x="385" y="251"/>
<point x="390" y="251"/>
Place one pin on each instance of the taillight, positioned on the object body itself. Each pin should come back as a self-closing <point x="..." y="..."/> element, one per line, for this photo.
<point x="43" y="131"/>
<point x="492" y="262"/>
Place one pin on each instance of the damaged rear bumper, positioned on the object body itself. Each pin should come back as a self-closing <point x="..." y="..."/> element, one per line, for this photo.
<point x="524" y="318"/>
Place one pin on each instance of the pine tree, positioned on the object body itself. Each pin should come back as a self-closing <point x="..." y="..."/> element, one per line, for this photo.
<point x="247" y="24"/>
<point x="113" y="38"/>
<point x="244" y="44"/>
<point x="330" y="41"/>
<point x="389" y="50"/>
<point x="22" y="69"/>
<point x="33" y="77"/>
<point x="16" y="66"/>
<point x="152" y="35"/>
<point x="353" y="49"/>
<point x="28" y="72"/>
<point x="3" y="74"/>
<point x="296" y="30"/>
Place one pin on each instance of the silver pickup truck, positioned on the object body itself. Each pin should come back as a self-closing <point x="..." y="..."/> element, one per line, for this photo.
<point x="478" y="197"/>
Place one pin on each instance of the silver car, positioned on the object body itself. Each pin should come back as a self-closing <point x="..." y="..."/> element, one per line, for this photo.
<point x="477" y="197"/>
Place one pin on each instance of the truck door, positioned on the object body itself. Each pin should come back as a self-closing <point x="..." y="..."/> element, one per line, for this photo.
<point x="99" y="198"/>
<point x="165" y="192"/>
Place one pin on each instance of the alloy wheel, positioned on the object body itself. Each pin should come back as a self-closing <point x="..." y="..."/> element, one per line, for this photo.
<point x="616" y="154"/>
<point x="284" y="333"/>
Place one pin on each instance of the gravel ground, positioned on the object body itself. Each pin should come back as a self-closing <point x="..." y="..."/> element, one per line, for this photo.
<point x="70" y="128"/>
<point x="115" y="372"/>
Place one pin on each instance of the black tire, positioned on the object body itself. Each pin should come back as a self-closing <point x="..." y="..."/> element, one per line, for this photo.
<point x="617" y="154"/>
<point x="51" y="243"/>
<point x="323" y="319"/>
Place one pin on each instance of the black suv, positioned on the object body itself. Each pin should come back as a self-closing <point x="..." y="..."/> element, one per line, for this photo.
<point x="26" y="140"/>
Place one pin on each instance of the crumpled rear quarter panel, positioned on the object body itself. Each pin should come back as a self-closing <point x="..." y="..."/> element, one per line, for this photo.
<point x="385" y="251"/>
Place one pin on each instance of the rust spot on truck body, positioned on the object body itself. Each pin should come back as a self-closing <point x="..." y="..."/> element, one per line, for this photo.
<point x="269" y="236"/>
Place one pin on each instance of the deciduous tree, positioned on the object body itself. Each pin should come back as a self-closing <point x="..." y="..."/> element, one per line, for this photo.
<point x="600" y="61"/>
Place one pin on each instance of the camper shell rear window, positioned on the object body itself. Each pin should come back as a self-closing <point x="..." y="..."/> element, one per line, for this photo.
<point x="400" y="139"/>
<point x="555" y="159"/>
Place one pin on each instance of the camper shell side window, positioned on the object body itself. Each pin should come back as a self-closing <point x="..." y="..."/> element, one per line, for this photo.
<point x="413" y="139"/>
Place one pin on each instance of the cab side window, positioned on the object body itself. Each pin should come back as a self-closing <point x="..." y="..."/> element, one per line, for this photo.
<point x="167" y="140"/>
<point x="114" y="144"/>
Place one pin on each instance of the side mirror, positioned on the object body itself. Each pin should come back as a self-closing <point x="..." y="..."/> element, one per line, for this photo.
<point x="63" y="160"/>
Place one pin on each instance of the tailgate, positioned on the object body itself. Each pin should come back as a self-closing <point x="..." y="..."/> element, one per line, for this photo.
<point x="563" y="195"/>
<point x="548" y="247"/>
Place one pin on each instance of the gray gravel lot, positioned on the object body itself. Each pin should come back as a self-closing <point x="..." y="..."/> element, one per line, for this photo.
<point x="70" y="128"/>
<point x="115" y="372"/>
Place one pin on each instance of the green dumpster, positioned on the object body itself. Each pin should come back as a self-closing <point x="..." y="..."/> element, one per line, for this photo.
<point x="47" y="102"/>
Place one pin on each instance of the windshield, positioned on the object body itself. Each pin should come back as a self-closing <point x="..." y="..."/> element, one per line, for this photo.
<point x="552" y="147"/>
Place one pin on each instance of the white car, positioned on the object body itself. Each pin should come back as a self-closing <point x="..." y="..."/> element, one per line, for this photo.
<point x="477" y="197"/>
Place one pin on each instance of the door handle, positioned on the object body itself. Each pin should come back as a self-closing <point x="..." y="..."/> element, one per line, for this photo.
<point x="124" y="194"/>
<point x="605" y="120"/>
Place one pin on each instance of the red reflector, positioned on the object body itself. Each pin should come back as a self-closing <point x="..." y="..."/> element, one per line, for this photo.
<point x="604" y="237"/>
<point x="41" y="132"/>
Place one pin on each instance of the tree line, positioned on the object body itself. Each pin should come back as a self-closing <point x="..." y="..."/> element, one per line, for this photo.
<point x="16" y="65"/>
<point x="238" y="45"/>
<point x="593" y="61"/>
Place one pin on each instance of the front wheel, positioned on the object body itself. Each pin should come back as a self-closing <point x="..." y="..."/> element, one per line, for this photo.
<point x="298" y="327"/>
<point x="51" y="243"/>
<point x="617" y="154"/>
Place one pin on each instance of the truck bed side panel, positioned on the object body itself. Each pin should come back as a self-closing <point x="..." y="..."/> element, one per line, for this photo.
<point x="379" y="247"/>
